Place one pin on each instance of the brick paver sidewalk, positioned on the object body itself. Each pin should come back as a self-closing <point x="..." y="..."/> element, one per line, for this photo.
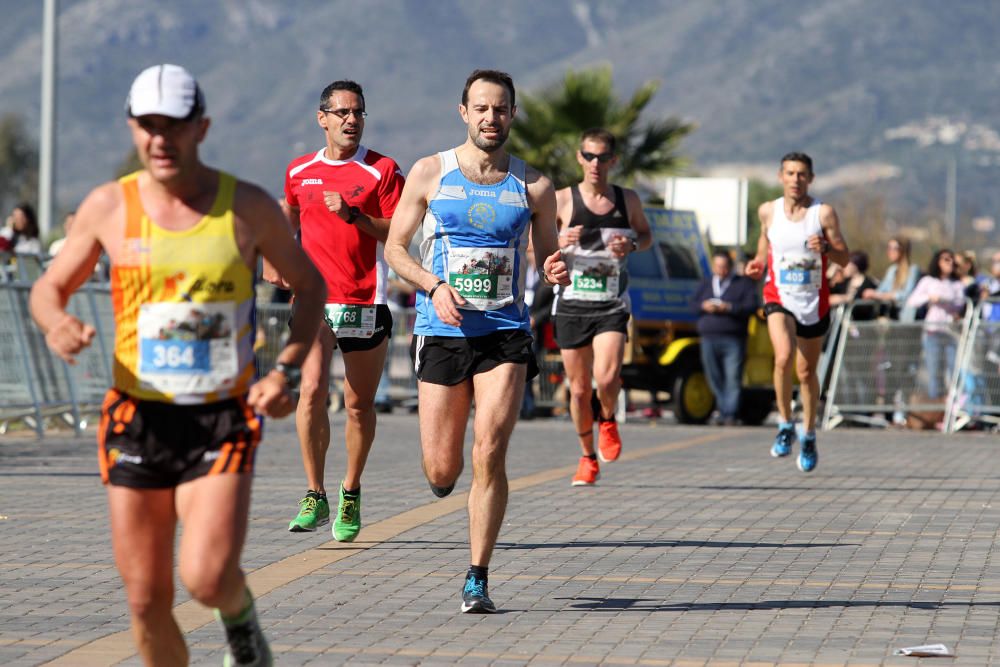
<point x="695" y="548"/>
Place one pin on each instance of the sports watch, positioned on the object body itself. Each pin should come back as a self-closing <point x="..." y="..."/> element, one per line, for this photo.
<point x="292" y="373"/>
<point x="355" y="212"/>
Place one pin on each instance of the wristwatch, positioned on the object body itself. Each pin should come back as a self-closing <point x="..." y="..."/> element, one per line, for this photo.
<point x="292" y="373"/>
<point x="355" y="212"/>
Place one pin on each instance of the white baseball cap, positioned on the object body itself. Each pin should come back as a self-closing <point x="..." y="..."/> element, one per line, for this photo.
<point x="167" y="90"/>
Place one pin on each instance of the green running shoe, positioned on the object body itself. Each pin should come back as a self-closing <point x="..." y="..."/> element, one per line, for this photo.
<point x="347" y="525"/>
<point x="314" y="510"/>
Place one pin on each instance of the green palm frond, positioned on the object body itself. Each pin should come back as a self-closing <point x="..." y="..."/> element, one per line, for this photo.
<point x="547" y="129"/>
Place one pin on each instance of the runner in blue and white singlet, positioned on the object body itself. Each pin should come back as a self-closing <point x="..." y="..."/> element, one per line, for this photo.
<point x="476" y="205"/>
<point x="475" y="237"/>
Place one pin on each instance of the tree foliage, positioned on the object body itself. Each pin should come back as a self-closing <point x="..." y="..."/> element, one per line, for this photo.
<point x="18" y="163"/>
<point x="546" y="131"/>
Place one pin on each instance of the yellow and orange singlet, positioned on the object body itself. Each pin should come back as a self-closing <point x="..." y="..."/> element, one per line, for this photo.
<point x="184" y="306"/>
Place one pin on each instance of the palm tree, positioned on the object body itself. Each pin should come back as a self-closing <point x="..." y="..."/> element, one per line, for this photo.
<point x="546" y="131"/>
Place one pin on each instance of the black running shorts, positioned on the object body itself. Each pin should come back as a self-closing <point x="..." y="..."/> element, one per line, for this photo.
<point x="450" y="360"/>
<point x="574" y="331"/>
<point x="156" y="445"/>
<point x="383" y="329"/>
<point x="817" y="330"/>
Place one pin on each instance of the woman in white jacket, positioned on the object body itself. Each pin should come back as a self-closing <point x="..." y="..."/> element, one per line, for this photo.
<point x="944" y="295"/>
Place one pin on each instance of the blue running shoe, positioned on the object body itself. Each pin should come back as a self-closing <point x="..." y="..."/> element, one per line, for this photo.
<point x="475" y="598"/>
<point x="783" y="442"/>
<point x="808" y="456"/>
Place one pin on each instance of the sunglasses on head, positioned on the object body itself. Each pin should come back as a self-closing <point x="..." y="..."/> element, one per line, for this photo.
<point x="601" y="157"/>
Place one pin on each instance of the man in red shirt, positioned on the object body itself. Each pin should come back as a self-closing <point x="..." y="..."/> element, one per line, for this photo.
<point x="340" y="199"/>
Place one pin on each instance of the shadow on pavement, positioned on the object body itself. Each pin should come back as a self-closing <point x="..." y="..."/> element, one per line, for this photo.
<point x="608" y="544"/>
<point x="648" y="605"/>
<point x="647" y="544"/>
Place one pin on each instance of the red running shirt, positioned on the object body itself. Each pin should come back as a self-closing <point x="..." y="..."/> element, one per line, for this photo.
<point x="350" y="260"/>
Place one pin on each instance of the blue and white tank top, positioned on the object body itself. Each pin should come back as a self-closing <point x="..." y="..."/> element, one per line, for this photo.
<point x="475" y="237"/>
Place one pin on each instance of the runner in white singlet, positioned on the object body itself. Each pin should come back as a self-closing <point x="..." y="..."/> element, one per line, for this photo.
<point x="798" y="235"/>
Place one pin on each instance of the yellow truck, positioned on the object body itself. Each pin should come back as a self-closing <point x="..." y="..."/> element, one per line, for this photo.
<point x="664" y="354"/>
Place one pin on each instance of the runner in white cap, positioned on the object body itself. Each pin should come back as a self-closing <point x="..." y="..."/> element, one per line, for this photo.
<point x="180" y="427"/>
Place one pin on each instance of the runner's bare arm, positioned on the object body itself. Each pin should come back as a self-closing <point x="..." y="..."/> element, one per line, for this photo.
<point x="374" y="227"/>
<point x="837" y="250"/>
<point x="755" y="267"/>
<point x="268" y="272"/>
<point x="420" y="186"/>
<point x="272" y="238"/>
<point x="544" y="237"/>
<point x="65" y="334"/>
<point x="637" y="220"/>
<point x="406" y="221"/>
<point x="564" y="213"/>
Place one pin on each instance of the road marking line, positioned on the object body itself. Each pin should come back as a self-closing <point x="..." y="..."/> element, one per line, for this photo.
<point x="191" y="615"/>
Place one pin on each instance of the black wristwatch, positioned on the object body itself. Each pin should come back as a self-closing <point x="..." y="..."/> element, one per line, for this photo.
<point x="355" y="212"/>
<point x="292" y="373"/>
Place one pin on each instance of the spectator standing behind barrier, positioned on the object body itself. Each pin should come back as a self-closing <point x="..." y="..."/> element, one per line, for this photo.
<point x="20" y="235"/>
<point x="856" y="283"/>
<point x="836" y="279"/>
<point x="725" y="302"/>
<point x="899" y="280"/>
<point x="943" y="293"/>
<point x="991" y="289"/>
<point x="968" y="273"/>
<point x="855" y="382"/>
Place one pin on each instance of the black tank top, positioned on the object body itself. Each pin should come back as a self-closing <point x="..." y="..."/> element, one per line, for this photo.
<point x="592" y="223"/>
<point x="592" y="240"/>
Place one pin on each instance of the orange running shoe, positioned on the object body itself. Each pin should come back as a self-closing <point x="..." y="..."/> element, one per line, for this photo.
<point x="609" y="443"/>
<point x="587" y="473"/>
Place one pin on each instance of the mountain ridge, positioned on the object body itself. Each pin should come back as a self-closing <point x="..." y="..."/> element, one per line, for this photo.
<point x="759" y="78"/>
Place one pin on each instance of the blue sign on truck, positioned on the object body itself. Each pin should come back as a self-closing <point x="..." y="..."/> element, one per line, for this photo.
<point x="662" y="280"/>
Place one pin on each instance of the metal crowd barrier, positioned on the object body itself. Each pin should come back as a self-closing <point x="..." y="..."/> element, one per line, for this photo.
<point x="38" y="386"/>
<point x="878" y="369"/>
<point x="885" y="371"/>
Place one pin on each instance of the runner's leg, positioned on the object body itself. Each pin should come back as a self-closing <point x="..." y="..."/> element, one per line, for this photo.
<point x="214" y="510"/>
<point x="608" y="350"/>
<point x="142" y="537"/>
<point x="444" y="413"/>
<point x="362" y="371"/>
<point x="806" y="362"/>
<point x="578" y="364"/>
<point x="498" y="400"/>
<point x="781" y="328"/>
<point x="312" y="420"/>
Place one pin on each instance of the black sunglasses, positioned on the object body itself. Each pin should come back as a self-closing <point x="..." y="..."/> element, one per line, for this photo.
<point x="601" y="157"/>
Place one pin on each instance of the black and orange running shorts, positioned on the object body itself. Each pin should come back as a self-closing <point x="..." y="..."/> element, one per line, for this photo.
<point x="157" y="445"/>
